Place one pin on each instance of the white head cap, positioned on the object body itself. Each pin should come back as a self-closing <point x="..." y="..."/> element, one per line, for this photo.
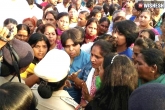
<point x="54" y="66"/>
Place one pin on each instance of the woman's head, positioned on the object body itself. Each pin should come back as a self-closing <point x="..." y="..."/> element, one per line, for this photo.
<point x="9" y="22"/>
<point x="49" y="31"/>
<point x="141" y="44"/>
<point x="63" y="21"/>
<point x="71" y="41"/>
<point x="91" y="27"/>
<point x="148" y="33"/>
<point x="31" y="23"/>
<point x="150" y="64"/>
<point x="98" y="50"/>
<point x="120" y="72"/>
<point x="138" y="8"/>
<point x="16" y="96"/>
<point x="113" y="7"/>
<point x="96" y="14"/>
<point x="40" y="44"/>
<point x="50" y="17"/>
<point x="125" y="33"/>
<point x="83" y="18"/>
<point x="73" y="14"/>
<point x="103" y="25"/>
<point x="145" y="18"/>
<point x="23" y="32"/>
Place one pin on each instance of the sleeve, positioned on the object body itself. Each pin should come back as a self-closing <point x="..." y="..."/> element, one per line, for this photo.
<point x="29" y="70"/>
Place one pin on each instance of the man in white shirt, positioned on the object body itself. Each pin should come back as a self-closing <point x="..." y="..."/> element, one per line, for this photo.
<point x="78" y="5"/>
<point x="63" y="7"/>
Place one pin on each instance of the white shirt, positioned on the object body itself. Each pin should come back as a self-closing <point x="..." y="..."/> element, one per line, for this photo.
<point x="16" y="9"/>
<point x="37" y="12"/>
<point x="61" y="8"/>
<point x="82" y="8"/>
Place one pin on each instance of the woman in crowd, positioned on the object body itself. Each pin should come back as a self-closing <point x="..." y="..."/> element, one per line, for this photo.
<point x="95" y="13"/>
<point x="73" y="16"/>
<point x="124" y="37"/>
<point x="40" y="45"/>
<point x="62" y="25"/>
<point x="83" y="18"/>
<point x="9" y="23"/>
<point x="141" y="44"/>
<point x="16" y="96"/>
<point x="50" y="17"/>
<point x="150" y="66"/>
<point x="148" y="33"/>
<point x="31" y="23"/>
<point x="72" y="40"/>
<point x="137" y="10"/>
<point x="128" y="8"/>
<point x="103" y="26"/>
<point x="119" y="80"/>
<point x="49" y="31"/>
<point x="23" y="32"/>
<point x="91" y="30"/>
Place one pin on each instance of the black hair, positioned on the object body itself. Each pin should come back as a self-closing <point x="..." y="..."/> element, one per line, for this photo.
<point x="54" y="13"/>
<point x="106" y="8"/>
<point x="113" y="7"/>
<point x="16" y="96"/>
<point x="9" y="20"/>
<point x="104" y="19"/>
<point x="139" y="6"/>
<point x="94" y="12"/>
<point x="156" y="57"/>
<point x="23" y="27"/>
<point x="46" y="89"/>
<point x="86" y="13"/>
<point x="128" y="29"/>
<point x="74" y="34"/>
<point x="60" y="15"/>
<point x="43" y="27"/>
<point x="151" y="33"/>
<point x="91" y="20"/>
<point x="105" y="47"/>
<point x="30" y="2"/>
<point x="90" y="3"/>
<point x="81" y="30"/>
<point x="36" y="37"/>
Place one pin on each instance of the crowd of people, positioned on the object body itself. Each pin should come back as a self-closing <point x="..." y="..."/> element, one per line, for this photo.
<point x="81" y="55"/>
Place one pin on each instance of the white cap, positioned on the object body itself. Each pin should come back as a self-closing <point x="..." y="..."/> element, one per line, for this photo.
<point x="54" y="66"/>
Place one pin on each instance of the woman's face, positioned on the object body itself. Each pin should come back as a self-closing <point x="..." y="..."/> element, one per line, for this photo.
<point x="96" y="57"/>
<point x="136" y="51"/>
<point x="30" y="25"/>
<point x="50" y="34"/>
<point x="144" y="70"/>
<point x="144" y="19"/>
<point x="50" y="19"/>
<point x="40" y="49"/>
<point x="144" y="35"/>
<point x="103" y="27"/>
<point x="73" y="14"/>
<point x="22" y="35"/>
<point x="135" y="12"/>
<point x="91" y="29"/>
<point x="120" y="39"/>
<point x="63" y="23"/>
<point x="72" y="49"/>
<point x="129" y="4"/>
<point x="98" y="16"/>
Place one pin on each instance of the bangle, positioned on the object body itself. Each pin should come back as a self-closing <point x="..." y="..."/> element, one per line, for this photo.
<point x="3" y="39"/>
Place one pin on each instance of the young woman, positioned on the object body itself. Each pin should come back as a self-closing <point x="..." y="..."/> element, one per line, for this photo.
<point x="95" y="13"/>
<point x="124" y="37"/>
<point x="150" y="66"/>
<point x="103" y="26"/>
<point x="73" y="16"/>
<point x="91" y="30"/>
<point x="23" y="32"/>
<point x="50" y="17"/>
<point x="118" y="82"/>
<point x="148" y="33"/>
<point x="40" y="45"/>
<point x="72" y="40"/>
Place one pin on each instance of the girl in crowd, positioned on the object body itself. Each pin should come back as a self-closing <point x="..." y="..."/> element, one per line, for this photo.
<point x="118" y="82"/>
<point x="91" y="30"/>
<point x="141" y="44"/>
<point x="23" y="32"/>
<point x="124" y="37"/>
<point x="49" y="31"/>
<point x="137" y="10"/>
<point x="83" y="18"/>
<point x="103" y="26"/>
<point x="96" y="14"/>
<point x="72" y="40"/>
<point x="150" y="66"/>
<point x="16" y="96"/>
<point x="73" y="16"/>
<point x="31" y="23"/>
<point x="148" y="33"/>
<point x="50" y="17"/>
<point x="40" y="45"/>
<point x="62" y="25"/>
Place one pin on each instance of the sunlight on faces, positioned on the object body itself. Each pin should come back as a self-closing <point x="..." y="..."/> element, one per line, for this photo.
<point x="144" y="19"/>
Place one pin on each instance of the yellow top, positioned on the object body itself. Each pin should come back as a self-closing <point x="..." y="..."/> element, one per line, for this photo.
<point x="29" y="70"/>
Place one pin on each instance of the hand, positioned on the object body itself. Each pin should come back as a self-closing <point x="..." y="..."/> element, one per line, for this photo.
<point x="85" y="93"/>
<point x="73" y="76"/>
<point x="4" y="31"/>
<point x="68" y="84"/>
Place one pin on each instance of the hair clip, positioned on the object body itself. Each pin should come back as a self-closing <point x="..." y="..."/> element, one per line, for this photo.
<point x="113" y="58"/>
